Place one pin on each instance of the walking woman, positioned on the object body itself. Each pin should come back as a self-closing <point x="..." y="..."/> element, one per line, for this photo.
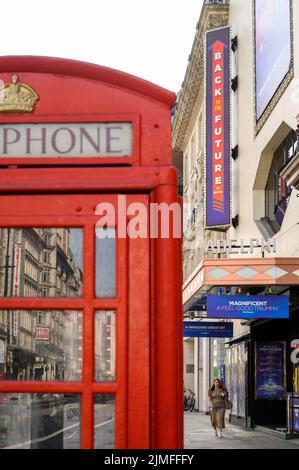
<point x="217" y="396"/>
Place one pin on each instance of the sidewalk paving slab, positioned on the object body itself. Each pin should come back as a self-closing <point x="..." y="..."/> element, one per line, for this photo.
<point x="199" y="434"/>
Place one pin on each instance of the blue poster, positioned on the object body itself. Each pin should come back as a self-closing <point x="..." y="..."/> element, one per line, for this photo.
<point x="222" y="373"/>
<point x="294" y="412"/>
<point x="270" y="370"/>
<point x="208" y="329"/>
<point x="241" y="366"/>
<point x="295" y="419"/>
<point x="272" y="48"/>
<point x="247" y="306"/>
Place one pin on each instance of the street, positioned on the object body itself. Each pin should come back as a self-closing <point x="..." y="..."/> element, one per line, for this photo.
<point x="56" y="425"/>
<point x="200" y="435"/>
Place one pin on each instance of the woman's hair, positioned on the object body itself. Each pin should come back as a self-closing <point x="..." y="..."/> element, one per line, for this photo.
<point x="220" y="384"/>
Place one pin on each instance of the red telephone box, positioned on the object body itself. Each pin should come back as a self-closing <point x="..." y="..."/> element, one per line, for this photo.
<point x="90" y="287"/>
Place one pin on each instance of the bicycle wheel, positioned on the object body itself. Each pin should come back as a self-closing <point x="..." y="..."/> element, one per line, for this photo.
<point x="188" y="404"/>
<point x="192" y="404"/>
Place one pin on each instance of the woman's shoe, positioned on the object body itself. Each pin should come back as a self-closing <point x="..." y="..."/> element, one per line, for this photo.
<point x="216" y="434"/>
<point x="220" y="434"/>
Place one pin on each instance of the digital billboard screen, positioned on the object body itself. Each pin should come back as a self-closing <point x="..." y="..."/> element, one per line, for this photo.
<point x="270" y="370"/>
<point x="273" y="49"/>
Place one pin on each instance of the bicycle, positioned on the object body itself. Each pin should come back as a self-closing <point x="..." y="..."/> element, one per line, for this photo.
<point x="189" y="401"/>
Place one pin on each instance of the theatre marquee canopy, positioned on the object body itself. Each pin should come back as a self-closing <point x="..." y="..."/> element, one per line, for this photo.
<point x="239" y="272"/>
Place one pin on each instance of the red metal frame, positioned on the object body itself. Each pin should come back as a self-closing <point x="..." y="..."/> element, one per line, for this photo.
<point x="86" y="71"/>
<point x="149" y="384"/>
<point x="47" y="206"/>
<point x="69" y="89"/>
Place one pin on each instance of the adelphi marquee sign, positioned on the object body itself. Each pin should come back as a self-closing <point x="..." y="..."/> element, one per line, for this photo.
<point x="235" y="247"/>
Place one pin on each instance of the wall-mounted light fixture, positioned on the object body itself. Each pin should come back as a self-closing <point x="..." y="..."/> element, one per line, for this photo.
<point x="234" y="83"/>
<point x="235" y="221"/>
<point x="235" y="152"/>
<point x="234" y="43"/>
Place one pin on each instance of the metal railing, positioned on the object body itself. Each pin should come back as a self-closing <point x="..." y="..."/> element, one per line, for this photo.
<point x="195" y="218"/>
<point x="281" y="207"/>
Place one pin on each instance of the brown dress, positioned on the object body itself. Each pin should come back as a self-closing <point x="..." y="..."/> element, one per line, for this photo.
<point x="218" y="408"/>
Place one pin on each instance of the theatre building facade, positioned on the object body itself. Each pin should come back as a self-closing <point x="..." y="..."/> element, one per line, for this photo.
<point x="237" y="131"/>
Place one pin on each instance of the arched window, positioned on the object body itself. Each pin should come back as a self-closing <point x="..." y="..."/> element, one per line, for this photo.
<point x="277" y="192"/>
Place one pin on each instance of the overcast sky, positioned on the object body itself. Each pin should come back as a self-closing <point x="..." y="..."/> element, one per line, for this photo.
<point x="148" y="38"/>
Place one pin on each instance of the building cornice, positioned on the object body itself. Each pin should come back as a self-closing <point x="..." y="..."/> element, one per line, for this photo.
<point x="213" y="15"/>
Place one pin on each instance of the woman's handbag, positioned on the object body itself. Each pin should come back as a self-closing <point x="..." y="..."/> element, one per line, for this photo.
<point x="228" y="404"/>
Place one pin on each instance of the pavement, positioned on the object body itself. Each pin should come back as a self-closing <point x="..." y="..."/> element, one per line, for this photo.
<point x="199" y="434"/>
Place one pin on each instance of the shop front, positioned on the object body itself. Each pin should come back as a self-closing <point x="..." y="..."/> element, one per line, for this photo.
<point x="260" y="360"/>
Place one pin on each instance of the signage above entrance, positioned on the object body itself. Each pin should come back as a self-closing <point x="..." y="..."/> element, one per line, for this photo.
<point x="235" y="247"/>
<point x="208" y="329"/>
<point x="80" y="139"/>
<point x="243" y="306"/>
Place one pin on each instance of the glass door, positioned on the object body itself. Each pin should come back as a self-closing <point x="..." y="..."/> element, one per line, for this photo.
<point x="74" y="323"/>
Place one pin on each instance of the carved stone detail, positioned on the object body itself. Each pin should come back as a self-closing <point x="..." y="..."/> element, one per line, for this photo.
<point x="213" y="16"/>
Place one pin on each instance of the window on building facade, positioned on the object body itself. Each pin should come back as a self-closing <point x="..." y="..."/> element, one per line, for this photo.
<point x="193" y="151"/>
<point x="189" y="368"/>
<point x="277" y="192"/>
<point x="200" y="131"/>
<point x="46" y="276"/>
<point x="185" y="175"/>
<point x="29" y="268"/>
<point x="45" y="292"/>
<point x="47" y="257"/>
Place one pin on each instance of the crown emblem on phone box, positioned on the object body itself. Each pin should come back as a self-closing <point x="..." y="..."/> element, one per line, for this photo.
<point x="16" y="97"/>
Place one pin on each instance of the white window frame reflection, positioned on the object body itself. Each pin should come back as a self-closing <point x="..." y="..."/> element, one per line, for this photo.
<point x="42" y="345"/>
<point x="105" y="357"/>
